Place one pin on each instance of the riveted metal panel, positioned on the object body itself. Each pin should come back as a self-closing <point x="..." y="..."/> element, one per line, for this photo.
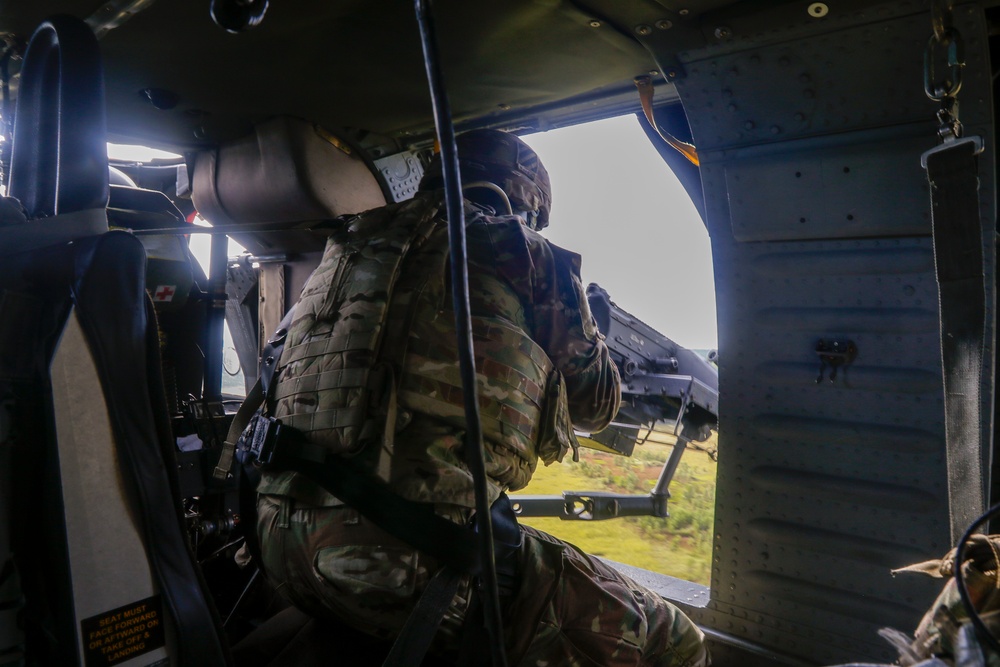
<point x="831" y="192"/>
<point x="825" y="486"/>
<point x="865" y="76"/>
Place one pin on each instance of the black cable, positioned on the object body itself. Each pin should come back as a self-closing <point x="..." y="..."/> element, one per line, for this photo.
<point x="963" y="591"/>
<point x="220" y="550"/>
<point x="239" y="601"/>
<point x="455" y="206"/>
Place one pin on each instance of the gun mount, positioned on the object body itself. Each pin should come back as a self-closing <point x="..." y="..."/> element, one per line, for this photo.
<point x="662" y="383"/>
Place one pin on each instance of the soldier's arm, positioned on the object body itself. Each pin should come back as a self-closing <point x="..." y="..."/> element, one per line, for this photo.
<point x="547" y="280"/>
<point x="567" y="331"/>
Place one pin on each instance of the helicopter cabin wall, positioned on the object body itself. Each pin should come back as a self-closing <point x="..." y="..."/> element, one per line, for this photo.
<point x="810" y="124"/>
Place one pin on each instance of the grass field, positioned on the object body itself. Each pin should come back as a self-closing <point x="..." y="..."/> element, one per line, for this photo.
<point x="679" y="545"/>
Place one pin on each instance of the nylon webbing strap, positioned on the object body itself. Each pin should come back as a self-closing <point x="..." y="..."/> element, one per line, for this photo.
<point x="644" y="84"/>
<point x="414" y="523"/>
<point x="422" y="624"/>
<point x="340" y="379"/>
<point x="327" y="419"/>
<point x="255" y="397"/>
<point x="953" y="174"/>
<point x="358" y="340"/>
<point x="240" y="422"/>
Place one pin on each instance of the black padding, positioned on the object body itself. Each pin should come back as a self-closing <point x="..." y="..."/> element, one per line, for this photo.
<point x="108" y="290"/>
<point x="137" y="208"/>
<point x="59" y="156"/>
<point x="30" y="323"/>
<point x="291" y="633"/>
<point x="292" y="638"/>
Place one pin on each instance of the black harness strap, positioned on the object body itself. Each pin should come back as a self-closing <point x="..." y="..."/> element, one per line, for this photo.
<point x="953" y="174"/>
<point x="255" y="397"/>
<point x="263" y="440"/>
<point x="249" y="473"/>
<point x="418" y="632"/>
<point x="416" y="524"/>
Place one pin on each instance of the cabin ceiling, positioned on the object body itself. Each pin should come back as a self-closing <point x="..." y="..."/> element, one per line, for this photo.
<point x="357" y="64"/>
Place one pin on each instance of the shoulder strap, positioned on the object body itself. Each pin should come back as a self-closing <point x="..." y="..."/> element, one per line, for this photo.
<point x="366" y="265"/>
<point x="255" y="398"/>
<point x="953" y="174"/>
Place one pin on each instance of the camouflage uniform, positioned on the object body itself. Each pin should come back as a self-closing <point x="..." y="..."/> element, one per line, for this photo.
<point x="569" y="609"/>
<point x="530" y="314"/>
<point x="946" y="632"/>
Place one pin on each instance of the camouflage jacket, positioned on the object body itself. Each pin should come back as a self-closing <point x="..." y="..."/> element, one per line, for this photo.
<point x="530" y="314"/>
<point x="946" y="635"/>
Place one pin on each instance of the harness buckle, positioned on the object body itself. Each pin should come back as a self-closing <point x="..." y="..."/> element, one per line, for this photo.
<point x="260" y="439"/>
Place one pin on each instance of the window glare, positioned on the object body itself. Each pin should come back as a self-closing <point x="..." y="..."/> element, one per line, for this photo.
<point x="201" y="246"/>
<point x="138" y="153"/>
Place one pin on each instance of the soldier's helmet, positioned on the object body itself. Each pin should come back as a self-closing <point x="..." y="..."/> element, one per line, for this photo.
<point x="504" y="160"/>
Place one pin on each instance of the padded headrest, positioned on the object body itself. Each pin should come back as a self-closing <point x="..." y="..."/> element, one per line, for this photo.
<point x="138" y="208"/>
<point x="287" y="170"/>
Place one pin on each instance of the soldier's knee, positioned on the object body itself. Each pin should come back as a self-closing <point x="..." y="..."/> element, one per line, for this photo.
<point x="686" y="642"/>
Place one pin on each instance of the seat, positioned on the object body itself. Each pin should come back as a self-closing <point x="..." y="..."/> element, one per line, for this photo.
<point x="292" y="638"/>
<point x="286" y="172"/>
<point x="93" y="516"/>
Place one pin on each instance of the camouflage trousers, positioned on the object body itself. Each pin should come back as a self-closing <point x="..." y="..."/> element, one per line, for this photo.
<point x="569" y="609"/>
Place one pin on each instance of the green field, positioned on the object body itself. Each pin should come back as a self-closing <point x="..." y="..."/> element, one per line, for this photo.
<point x="679" y="545"/>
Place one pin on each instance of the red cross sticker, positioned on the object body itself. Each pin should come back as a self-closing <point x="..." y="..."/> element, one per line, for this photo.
<point x="164" y="293"/>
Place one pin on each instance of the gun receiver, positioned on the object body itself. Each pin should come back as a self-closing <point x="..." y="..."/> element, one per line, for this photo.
<point x="661" y="382"/>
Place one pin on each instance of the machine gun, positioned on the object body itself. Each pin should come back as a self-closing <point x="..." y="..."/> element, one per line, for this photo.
<point x="662" y="383"/>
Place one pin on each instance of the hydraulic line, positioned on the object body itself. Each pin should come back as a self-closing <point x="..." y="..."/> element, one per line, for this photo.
<point x="454" y="204"/>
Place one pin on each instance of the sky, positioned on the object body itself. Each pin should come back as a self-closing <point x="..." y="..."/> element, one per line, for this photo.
<point x="617" y="204"/>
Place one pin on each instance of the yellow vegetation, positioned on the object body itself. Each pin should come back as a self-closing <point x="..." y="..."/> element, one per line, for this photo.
<point x="679" y="545"/>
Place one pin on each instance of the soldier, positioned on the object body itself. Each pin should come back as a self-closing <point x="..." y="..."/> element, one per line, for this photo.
<point x="542" y="366"/>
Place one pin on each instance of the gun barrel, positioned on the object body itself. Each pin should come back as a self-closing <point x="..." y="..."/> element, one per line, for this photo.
<point x="637" y="347"/>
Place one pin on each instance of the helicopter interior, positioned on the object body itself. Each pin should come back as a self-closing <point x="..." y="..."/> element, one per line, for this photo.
<point x="856" y="372"/>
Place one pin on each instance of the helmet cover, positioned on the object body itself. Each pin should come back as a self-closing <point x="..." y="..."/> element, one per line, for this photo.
<point x="500" y="158"/>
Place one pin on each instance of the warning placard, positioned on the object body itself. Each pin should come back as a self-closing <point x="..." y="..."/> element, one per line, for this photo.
<point x="123" y="633"/>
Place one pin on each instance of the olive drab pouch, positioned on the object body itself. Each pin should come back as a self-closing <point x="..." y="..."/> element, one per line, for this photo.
<point x="556" y="435"/>
<point x="330" y="385"/>
<point x="945" y="633"/>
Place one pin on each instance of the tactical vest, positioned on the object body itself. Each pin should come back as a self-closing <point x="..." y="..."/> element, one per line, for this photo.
<point x="371" y="343"/>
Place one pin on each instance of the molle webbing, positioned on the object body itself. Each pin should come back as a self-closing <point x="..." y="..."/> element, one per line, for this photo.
<point x="419" y="293"/>
<point x="329" y="385"/>
<point x="323" y="347"/>
<point x="325" y="420"/>
<point x="512" y="373"/>
<point x="348" y="377"/>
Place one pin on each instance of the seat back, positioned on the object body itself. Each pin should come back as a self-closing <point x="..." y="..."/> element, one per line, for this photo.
<point x="59" y="156"/>
<point x="91" y="509"/>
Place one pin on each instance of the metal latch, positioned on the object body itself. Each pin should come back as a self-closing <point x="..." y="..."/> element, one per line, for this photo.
<point x="834" y="354"/>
